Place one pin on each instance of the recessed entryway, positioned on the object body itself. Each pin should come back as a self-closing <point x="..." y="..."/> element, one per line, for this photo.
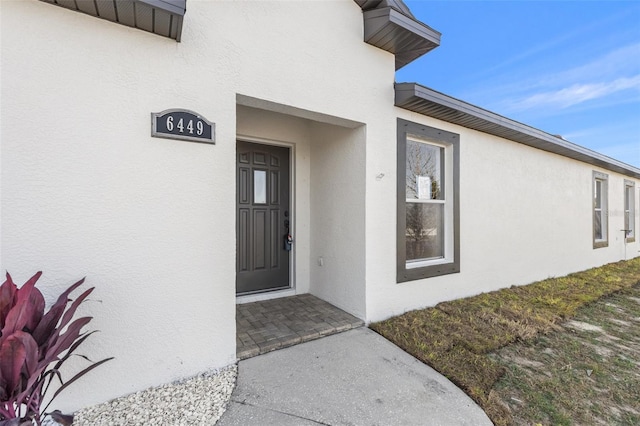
<point x="327" y="195"/>
<point x="279" y="323"/>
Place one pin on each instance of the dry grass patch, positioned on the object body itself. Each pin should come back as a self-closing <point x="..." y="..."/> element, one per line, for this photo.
<point x="587" y="374"/>
<point x="456" y="338"/>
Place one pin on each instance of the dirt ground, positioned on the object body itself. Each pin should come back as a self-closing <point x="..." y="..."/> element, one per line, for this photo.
<point x="588" y="373"/>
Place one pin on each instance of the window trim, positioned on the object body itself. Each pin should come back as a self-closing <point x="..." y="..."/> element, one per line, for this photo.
<point x="631" y="187"/>
<point x="451" y="142"/>
<point x="604" y="179"/>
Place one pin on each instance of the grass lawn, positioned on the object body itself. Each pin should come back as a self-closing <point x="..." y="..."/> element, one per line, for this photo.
<point x="560" y="351"/>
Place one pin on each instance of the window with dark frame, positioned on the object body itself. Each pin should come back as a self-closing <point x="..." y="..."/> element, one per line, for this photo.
<point x="629" y="211"/>
<point x="428" y="240"/>
<point x="600" y="210"/>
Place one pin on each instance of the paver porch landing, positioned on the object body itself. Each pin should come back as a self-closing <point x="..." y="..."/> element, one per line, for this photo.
<point x="268" y="325"/>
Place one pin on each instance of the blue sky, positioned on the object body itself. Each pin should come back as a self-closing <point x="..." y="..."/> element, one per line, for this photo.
<point x="570" y="68"/>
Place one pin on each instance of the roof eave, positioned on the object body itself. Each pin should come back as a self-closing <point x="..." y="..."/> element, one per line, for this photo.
<point x="400" y="34"/>
<point x="420" y="99"/>
<point x="161" y="17"/>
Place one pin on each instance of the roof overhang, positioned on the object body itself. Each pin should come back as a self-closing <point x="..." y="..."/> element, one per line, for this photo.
<point x="420" y="99"/>
<point x="390" y="26"/>
<point x="162" y="17"/>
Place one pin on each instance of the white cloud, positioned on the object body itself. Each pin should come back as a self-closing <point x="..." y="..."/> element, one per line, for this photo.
<point x="621" y="61"/>
<point x="598" y="78"/>
<point x="576" y="94"/>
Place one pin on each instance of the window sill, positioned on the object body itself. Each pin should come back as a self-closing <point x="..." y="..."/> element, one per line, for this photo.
<point x="418" y="273"/>
<point x="600" y="244"/>
<point x="427" y="263"/>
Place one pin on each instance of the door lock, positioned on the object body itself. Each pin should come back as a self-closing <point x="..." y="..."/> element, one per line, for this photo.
<point x="288" y="242"/>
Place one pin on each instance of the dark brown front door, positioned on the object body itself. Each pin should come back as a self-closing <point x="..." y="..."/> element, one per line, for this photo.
<point x="263" y="219"/>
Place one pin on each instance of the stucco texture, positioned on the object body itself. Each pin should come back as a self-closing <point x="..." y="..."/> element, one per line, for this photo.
<point x="151" y="222"/>
<point x="86" y="191"/>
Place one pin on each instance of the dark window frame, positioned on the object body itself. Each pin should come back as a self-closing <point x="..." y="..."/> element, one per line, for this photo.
<point x="630" y="186"/>
<point x="452" y="141"/>
<point x="604" y="209"/>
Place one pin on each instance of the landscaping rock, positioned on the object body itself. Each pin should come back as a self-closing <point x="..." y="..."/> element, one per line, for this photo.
<point x="200" y="400"/>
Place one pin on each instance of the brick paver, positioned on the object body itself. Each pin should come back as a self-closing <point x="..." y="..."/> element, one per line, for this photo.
<point x="278" y="323"/>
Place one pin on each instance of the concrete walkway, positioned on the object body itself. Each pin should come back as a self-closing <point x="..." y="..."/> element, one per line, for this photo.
<point x="352" y="378"/>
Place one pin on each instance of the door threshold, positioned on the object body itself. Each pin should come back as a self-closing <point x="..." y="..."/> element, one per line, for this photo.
<point x="268" y="295"/>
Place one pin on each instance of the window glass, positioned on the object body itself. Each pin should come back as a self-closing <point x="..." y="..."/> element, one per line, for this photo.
<point x="260" y="186"/>
<point x="425" y="231"/>
<point x="629" y="211"/>
<point x="598" y="224"/>
<point x="600" y="210"/>
<point x="424" y="171"/>
<point x="627" y="195"/>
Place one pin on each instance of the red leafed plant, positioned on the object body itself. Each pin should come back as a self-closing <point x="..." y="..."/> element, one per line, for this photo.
<point x="33" y="347"/>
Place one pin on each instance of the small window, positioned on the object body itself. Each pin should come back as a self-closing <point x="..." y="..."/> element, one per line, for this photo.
<point x="428" y="199"/>
<point x="600" y="210"/>
<point x="260" y="186"/>
<point x="629" y="211"/>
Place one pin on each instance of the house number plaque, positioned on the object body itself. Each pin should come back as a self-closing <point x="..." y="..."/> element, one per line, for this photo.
<point x="182" y="124"/>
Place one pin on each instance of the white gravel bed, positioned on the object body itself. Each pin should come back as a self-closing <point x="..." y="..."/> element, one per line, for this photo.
<point x="200" y="400"/>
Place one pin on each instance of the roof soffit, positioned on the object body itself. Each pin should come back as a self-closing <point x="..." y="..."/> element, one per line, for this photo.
<point x="390" y="25"/>
<point x="379" y="4"/>
<point x="425" y="101"/>
<point x="161" y="17"/>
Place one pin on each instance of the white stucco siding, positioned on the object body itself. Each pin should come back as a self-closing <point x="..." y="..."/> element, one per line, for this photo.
<point x="87" y="192"/>
<point x="525" y="215"/>
<point x="338" y="217"/>
<point x="307" y="54"/>
<point x="150" y="221"/>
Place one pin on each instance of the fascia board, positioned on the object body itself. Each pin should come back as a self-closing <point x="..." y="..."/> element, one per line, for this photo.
<point x="407" y="38"/>
<point x="175" y="7"/>
<point x="417" y="98"/>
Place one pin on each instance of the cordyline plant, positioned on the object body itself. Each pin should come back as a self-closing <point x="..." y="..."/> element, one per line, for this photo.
<point x="33" y="347"/>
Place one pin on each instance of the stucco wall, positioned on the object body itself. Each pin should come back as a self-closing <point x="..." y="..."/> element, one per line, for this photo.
<point x="338" y="217"/>
<point x="149" y="221"/>
<point x="525" y="215"/>
<point x="86" y="191"/>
